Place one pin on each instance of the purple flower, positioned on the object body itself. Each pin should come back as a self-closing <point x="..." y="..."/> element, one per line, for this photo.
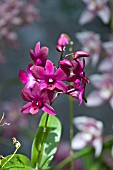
<point x="39" y="55"/>
<point x="78" y="90"/>
<point x="91" y="44"/>
<point x="37" y="99"/>
<point x="62" y="42"/>
<point x="27" y="77"/>
<point x="104" y="91"/>
<point x="90" y="133"/>
<point x="49" y="79"/>
<point x="95" y="8"/>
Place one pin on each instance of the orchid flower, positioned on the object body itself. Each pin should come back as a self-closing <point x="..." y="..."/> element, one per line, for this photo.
<point x="62" y="42"/>
<point x="95" y="8"/>
<point x="37" y="99"/>
<point x="27" y="77"/>
<point x="92" y="44"/>
<point x="107" y="63"/>
<point x="104" y="91"/>
<point x="90" y="134"/>
<point x="49" y="79"/>
<point x="39" y="55"/>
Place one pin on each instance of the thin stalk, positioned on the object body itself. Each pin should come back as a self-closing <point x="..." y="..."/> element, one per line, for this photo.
<point x="111" y="5"/>
<point x="71" y="111"/>
<point x="73" y="157"/>
<point x="42" y="139"/>
<point x="84" y="152"/>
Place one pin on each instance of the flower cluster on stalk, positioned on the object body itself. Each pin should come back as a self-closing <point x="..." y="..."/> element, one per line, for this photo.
<point x="13" y="15"/>
<point x="44" y="81"/>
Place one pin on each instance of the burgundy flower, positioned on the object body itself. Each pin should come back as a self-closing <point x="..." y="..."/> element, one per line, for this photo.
<point x="27" y="77"/>
<point x="37" y="99"/>
<point x="65" y="66"/>
<point x="49" y="79"/>
<point x="78" y="90"/>
<point x="39" y="55"/>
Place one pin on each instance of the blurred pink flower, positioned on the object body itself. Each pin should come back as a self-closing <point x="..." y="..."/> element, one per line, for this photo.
<point x="107" y="63"/>
<point x="104" y="91"/>
<point x="13" y="15"/>
<point x="95" y="8"/>
<point x="12" y="115"/>
<point x="92" y="44"/>
<point x="90" y="134"/>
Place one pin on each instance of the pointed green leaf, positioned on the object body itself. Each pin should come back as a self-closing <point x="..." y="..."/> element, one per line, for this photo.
<point x="17" y="162"/>
<point x="46" y="141"/>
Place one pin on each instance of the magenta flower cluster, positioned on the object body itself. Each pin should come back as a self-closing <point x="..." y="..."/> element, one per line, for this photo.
<point x="44" y="81"/>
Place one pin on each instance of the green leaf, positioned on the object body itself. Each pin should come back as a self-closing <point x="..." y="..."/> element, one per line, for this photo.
<point x="46" y="141"/>
<point x="17" y="162"/>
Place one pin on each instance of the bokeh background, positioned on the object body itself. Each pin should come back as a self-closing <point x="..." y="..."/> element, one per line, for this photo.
<point x="54" y="17"/>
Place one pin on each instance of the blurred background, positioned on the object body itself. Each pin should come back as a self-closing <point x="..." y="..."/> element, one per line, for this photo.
<point x="44" y="21"/>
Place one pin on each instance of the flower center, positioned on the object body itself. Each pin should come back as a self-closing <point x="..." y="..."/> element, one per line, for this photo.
<point x="50" y="80"/>
<point x="37" y="103"/>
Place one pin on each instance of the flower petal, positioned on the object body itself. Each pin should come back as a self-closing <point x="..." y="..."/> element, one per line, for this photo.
<point x="60" y="74"/>
<point x="26" y="108"/>
<point x="34" y="109"/>
<point x="79" y="54"/>
<point x="111" y="102"/>
<point x="37" y="48"/>
<point x="43" y="53"/>
<point x="36" y="89"/>
<point x="106" y="64"/>
<point x="78" y="142"/>
<point x="86" y="17"/>
<point x="26" y="94"/>
<point x="38" y="72"/>
<point x="88" y="124"/>
<point x="94" y="99"/>
<point x="104" y="14"/>
<point x="97" y="144"/>
<point x="61" y="86"/>
<point x="47" y="108"/>
<point x="49" y="68"/>
<point x="96" y="80"/>
<point x="23" y="76"/>
<point x="32" y="54"/>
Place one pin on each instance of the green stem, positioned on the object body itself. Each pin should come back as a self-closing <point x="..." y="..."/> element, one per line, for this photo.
<point x="71" y="111"/>
<point x="71" y="128"/>
<point x="84" y="152"/>
<point x="73" y="157"/>
<point x="111" y="5"/>
<point x="42" y="139"/>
